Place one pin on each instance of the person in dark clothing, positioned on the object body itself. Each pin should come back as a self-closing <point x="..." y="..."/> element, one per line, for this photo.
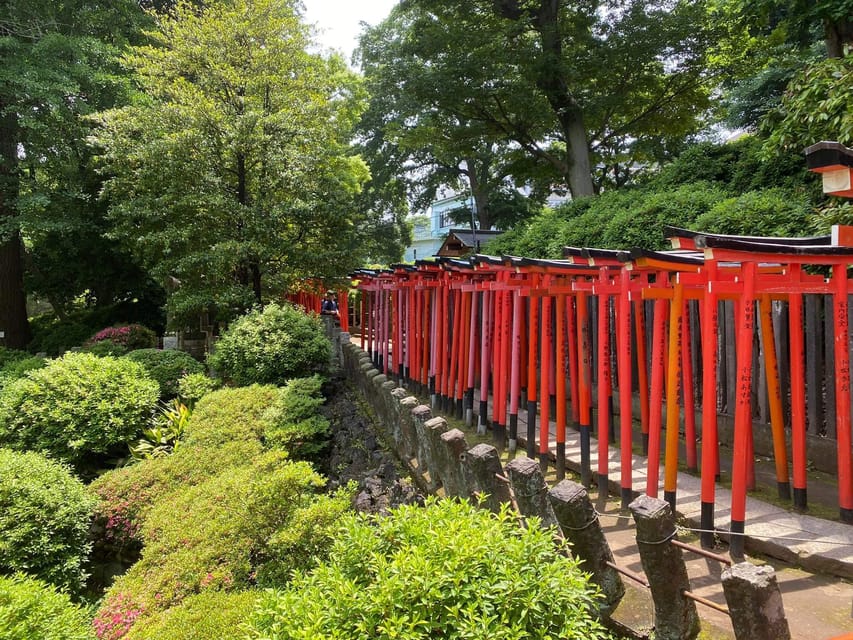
<point x="329" y="307"/>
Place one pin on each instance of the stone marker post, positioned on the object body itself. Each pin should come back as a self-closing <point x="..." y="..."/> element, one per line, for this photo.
<point x="531" y="492"/>
<point x="579" y="523"/>
<point x="675" y="614"/>
<point x="484" y="465"/>
<point x="755" y="602"/>
<point x="454" y="449"/>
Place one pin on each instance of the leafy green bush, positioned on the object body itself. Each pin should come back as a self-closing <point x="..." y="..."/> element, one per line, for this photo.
<point x="770" y="212"/>
<point x="210" y="615"/>
<point x="482" y="577"/>
<point x="271" y="346"/>
<point x="231" y="414"/>
<point x="224" y="431"/>
<point x="15" y="369"/>
<point x="167" y="367"/>
<point x="194" y="386"/>
<point x="33" y="610"/>
<point x="10" y="356"/>
<point x="105" y="348"/>
<point x="220" y="541"/>
<point x="641" y="225"/>
<point x="45" y="514"/>
<point x="77" y="405"/>
<point x="126" y="496"/>
<point x="55" y="337"/>
<point x="295" y="424"/>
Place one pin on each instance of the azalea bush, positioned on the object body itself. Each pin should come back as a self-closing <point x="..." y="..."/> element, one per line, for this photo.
<point x="45" y="514"/>
<point x="270" y="346"/>
<point x="221" y="541"/>
<point x="210" y="615"/>
<point x="167" y="367"/>
<point x="30" y="609"/>
<point x="449" y="570"/>
<point x="129" y="337"/>
<point x="77" y="407"/>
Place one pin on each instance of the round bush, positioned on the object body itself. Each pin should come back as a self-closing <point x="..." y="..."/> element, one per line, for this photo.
<point x="482" y="577"/>
<point x="271" y="346"/>
<point x="33" y="610"/>
<point x="167" y="367"/>
<point x="77" y="405"/>
<point x="15" y="369"/>
<point x="45" y="515"/>
<point x="194" y="386"/>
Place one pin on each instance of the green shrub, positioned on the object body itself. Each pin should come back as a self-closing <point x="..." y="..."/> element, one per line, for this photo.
<point x="770" y="212"/>
<point x="10" y="356"/>
<point x="45" y="514"/>
<point x="271" y="346"/>
<point x="33" y="610"/>
<point x="220" y="539"/>
<point x="482" y="576"/>
<point x="55" y="337"/>
<point x="126" y="496"/>
<point x="77" y="405"/>
<point x="167" y="367"/>
<point x="194" y="386"/>
<point x="230" y="414"/>
<point x="16" y="369"/>
<point x="295" y="424"/>
<point x="211" y="615"/>
<point x="105" y="348"/>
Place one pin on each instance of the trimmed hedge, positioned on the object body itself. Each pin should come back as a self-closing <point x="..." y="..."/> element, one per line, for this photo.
<point x="45" y="514"/>
<point x="76" y="406"/>
<point x="33" y="610"/>
<point x="167" y="367"/>
<point x="271" y="346"/>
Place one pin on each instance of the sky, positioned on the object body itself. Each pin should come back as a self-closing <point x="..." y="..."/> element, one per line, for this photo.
<point x="337" y="21"/>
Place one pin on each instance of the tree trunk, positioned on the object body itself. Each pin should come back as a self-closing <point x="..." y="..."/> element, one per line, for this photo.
<point x="256" y="282"/>
<point x="480" y="196"/>
<point x="13" y="301"/>
<point x="837" y="34"/>
<point x="551" y="80"/>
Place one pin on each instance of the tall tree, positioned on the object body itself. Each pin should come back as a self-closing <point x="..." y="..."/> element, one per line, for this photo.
<point x="56" y="65"/>
<point x="230" y="173"/>
<point x="541" y="77"/>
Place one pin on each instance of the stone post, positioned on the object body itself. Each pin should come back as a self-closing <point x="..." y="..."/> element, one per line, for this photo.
<point x="437" y="463"/>
<point x="755" y="602"/>
<point x="454" y="448"/>
<point x="420" y="416"/>
<point x="579" y="523"/>
<point x="484" y="465"/>
<point x="675" y="615"/>
<point x="530" y="489"/>
<point x="409" y="445"/>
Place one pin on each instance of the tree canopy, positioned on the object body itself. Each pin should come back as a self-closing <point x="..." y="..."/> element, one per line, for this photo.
<point x="230" y="172"/>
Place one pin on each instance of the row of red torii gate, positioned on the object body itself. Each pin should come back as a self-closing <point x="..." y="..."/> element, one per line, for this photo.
<point x="570" y="338"/>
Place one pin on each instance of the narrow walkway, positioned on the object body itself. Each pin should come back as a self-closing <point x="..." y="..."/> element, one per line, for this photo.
<point x="815" y="544"/>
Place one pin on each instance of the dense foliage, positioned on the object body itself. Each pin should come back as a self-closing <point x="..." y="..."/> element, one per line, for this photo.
<point x="483" y="577"/>
<point x="33" y="610"/>
<point x="235" y="528"/>
<point x="45" y="514"/>
<point x="725" y="189"/>
<point x="295" y="424"/>
<point x="167" y="367"/>
<point x="77" y="406"/>
<point x="210" y="615"/>
<point x="270" y="346"/>
<point x="231" y="176"/>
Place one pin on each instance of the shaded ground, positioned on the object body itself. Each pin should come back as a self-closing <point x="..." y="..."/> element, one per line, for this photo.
<point x="357" y="454"/>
